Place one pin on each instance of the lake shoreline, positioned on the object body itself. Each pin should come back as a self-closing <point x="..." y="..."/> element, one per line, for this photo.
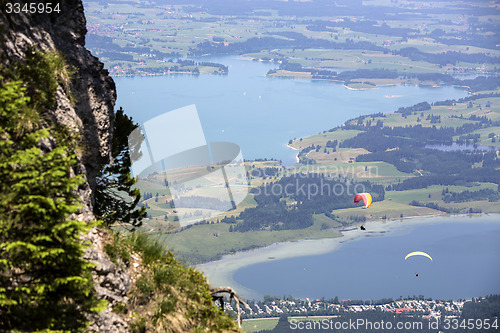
<point x="221" y="272"/>
<point x="296" y="155"/>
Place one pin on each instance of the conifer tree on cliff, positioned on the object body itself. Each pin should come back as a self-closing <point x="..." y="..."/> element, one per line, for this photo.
<point x="116" y="197"/>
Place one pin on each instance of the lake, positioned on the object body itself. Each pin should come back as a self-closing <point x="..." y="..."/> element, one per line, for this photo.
<point x="371" y="264"/>
<point x="262" y="114"/>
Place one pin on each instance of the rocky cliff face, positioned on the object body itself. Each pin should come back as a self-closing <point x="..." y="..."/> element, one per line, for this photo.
<point x="88" y="112"/>
<point x="92" y="89"/>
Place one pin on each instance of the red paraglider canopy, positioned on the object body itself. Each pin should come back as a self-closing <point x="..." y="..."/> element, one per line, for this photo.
<point x="366" y="197"/>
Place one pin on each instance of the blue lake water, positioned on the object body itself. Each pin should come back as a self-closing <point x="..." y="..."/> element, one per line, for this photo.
<point x="466" y="263"/>
<point x="262" y="114"/>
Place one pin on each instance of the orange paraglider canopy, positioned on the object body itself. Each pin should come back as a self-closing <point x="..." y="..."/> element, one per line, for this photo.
<point x="366" y="197"/>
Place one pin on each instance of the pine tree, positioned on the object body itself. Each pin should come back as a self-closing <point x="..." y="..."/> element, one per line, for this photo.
<point x="45" y="283"/>
<point x="116" y="197"/>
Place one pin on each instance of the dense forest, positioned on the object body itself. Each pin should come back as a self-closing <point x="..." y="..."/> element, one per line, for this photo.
<point x="117" y="52"/>
<point x="445" y="58"/>
<point x="257" y="44"/>
<point x="479" y="83"/>
<point x="290" y="202"/>
<point x="434" y="166"/>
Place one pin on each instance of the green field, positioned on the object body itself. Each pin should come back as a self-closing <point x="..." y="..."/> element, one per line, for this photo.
<point x="210" y="241"/>
<point x="255" y="325"/>
<point x="485" y="139"/>
<point x="322" y="138"/>
<point x="434" y="191"/>
<point x="386" y="210"/>
<point x="177" y="28"/>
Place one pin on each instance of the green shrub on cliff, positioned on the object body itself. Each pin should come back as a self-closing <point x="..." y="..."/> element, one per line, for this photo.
<point x="45" y="283"/>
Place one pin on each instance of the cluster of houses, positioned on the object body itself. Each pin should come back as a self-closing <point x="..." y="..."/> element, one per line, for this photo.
<point x="294" y="307"/>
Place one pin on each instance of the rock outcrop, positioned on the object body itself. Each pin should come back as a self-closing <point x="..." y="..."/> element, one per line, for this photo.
<point x="112" y="283"/>
<point x="88" y="110"/>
